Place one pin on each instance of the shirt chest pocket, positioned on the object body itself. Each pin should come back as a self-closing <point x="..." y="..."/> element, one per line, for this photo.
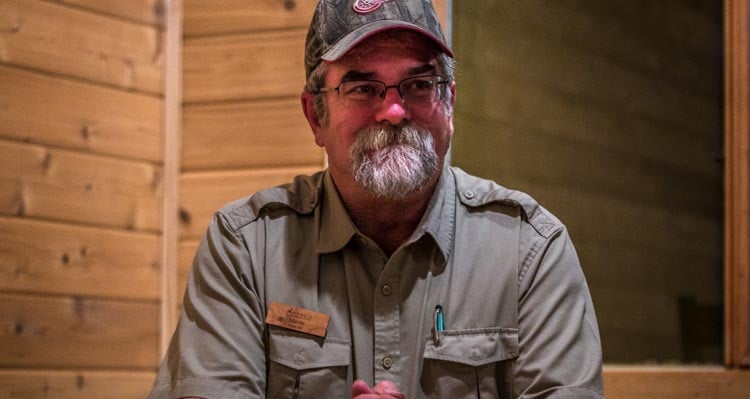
<point x="303" y="366"/>
<point x="475" y="363"/>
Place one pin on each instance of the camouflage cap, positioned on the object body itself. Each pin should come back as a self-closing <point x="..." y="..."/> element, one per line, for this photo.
<point x="339" y="25"/>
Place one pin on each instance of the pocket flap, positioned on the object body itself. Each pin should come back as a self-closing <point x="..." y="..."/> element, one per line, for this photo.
<point x="474" y="347"/>
<point x="300" y="351"/>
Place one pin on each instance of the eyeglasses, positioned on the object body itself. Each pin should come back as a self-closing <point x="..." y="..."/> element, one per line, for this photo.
<point x="414" y="90"/>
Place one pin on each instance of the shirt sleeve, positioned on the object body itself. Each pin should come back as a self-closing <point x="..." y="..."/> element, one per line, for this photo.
<point x="560" y="349"/>
<point x="218" y="349"/>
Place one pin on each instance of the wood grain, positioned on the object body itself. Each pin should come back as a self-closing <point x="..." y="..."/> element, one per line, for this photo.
<point x="214" y="17"/>
<point x="146" y="11"/>
<point x="79" y="384"/>
<point x="675" y="383"/>
<point x="172" y="161"/>
<point x="737" y="183"/>
<point x="67" y="41"/>
<point x="68" y="114"/>
<point x="247" y="66"/>
<point x="68" y="186"/>
<point x="247" y="135"/>
<point x="52" y="258"/>
<point x="204" y="193"/>
<point x="45" y="332"/>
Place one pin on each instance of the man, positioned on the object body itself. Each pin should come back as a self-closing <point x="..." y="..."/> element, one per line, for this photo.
<point x="391" y="274"/>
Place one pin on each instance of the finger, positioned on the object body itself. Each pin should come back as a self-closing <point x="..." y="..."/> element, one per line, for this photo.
<point x="361" y="388"/>
<point x="388" y="388"/>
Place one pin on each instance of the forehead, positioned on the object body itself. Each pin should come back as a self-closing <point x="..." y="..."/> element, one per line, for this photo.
<point x="387" y="48"/>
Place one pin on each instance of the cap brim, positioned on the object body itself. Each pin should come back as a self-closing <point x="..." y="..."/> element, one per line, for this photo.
<point x="356" y="36"/>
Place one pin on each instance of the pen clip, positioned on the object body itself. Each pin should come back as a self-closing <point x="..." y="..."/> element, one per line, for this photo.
<point x="438" y="324"/>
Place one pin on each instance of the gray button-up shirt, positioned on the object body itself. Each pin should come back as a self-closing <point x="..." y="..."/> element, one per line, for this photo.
<point x="518" y="317"/>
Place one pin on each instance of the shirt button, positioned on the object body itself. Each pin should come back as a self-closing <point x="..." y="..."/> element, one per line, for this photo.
<point x="387" y="362"/>
<point x="469" y="194"/>
<point x="386" y="290"/>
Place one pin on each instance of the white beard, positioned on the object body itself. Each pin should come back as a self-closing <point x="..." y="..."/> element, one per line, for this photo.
<point x="393" y="161"/>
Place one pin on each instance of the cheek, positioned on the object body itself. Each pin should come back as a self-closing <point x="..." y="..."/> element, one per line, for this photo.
<point x="344" y="130"/>
<point x="440" y="124"/>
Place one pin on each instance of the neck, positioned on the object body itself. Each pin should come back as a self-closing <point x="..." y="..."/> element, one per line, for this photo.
<point x="388" y="222"/>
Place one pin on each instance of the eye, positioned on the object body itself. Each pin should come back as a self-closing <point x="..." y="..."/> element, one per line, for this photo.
<point x="359" y="89"/>
<point x="422" y="84"/>
<point x="419" y="85"/>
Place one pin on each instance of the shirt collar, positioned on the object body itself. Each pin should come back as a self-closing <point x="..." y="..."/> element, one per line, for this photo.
<point x="438" y="221"/>
<point x="336" y="227"/>
<point x="439" y="218"/>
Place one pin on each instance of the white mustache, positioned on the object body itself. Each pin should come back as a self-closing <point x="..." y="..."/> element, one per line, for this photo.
<point x="384" y="135"/>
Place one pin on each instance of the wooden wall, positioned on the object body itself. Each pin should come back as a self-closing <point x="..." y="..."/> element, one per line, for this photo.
<point x="80" y="197"/>
<point x="609" y="113"/>
<point x="243" y="128"/>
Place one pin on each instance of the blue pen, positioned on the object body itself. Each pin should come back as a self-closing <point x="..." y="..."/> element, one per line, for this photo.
<point x="438" y="323"/>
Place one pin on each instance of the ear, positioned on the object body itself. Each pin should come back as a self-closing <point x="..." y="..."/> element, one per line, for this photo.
<point x="453" y="107"/>
<point x="453" y="94"/>
<point x="308" y="108"/>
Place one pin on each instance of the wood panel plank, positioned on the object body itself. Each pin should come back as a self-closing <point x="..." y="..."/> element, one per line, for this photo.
<point x="51" y="258"/>
<point x="675" y="383"/>
<point x="68" y="186"/>
<point x="147" y="11"/>
<point x="247" y="135"/>
<point x="265" y="64"/>
<point x="63" y="113"/>
<point x="75" y="333"/>
<point x="737" y="183"/>
<point x="80" y="384"/>
<point x="204" y="193"/>
<point x="212" y="17"/>
<point x="67" y="41"/>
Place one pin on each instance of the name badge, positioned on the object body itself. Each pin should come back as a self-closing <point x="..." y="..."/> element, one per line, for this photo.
<point x="297" y="319"/>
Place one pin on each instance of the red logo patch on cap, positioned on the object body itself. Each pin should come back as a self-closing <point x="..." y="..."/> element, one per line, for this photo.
<point x="365" y="6"/>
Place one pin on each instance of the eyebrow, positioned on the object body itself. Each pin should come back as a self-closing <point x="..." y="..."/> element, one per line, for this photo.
<point x="422" y="69"/>
<point x="358" y="75"/>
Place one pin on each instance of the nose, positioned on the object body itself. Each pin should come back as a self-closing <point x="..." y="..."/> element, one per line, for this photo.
<point x="392" y="109"/>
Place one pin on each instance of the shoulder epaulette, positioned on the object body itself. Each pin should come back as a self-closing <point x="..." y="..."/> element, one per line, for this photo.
<point x="477" y="192"/>
<point x="300" y="196"/>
